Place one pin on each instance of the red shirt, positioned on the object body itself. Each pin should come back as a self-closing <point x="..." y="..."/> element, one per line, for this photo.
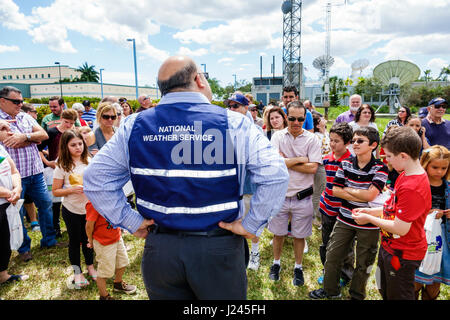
<point x="103" y="230"/>
<point x="410" y="202"/>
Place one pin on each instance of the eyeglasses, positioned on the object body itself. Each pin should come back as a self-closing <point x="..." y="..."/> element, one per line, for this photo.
<point x="107" y="117"/>
<point x="253" y="109"/>
<point x="299" y="119"/>
<point x="15" y="101"/>
<point x="401" y="111"/>
<point x="359" y="141"/>
<point x="33" y="111"/>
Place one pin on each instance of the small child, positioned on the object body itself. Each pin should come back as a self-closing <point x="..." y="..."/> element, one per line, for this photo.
<point x="340" y="136"/>
<point x="72" y="160"/>
<point x="358" y="181"/>
<point x="402" y="217"/>
<point x="436" y="161"/>
<point x="110" y="251"/>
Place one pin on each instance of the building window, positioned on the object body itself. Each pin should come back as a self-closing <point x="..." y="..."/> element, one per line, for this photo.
<point x="9" y="77"/>
<point x="36" y="76"/>
<point x="48" y="75"/>
<point x="29" y="76"/>
<point x="42" y="76"/>
<point x="4" y="77"/>
<point x="23" y="76"/>
<point x="17" y="77"/>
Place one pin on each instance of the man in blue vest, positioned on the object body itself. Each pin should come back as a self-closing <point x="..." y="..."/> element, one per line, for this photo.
<point x="187" y="160"/>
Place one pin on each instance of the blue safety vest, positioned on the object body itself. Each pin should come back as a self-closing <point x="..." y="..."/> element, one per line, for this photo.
<point x="183" y="166"/>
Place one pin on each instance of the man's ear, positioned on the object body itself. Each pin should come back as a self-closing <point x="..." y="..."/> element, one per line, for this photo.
<point x="199" y="81"/>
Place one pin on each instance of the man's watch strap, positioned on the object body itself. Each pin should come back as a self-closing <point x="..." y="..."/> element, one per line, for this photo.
<point x="28" y="137"/>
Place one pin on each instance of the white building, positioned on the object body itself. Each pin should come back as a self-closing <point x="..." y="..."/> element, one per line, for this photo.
<point x="34" y="75"/>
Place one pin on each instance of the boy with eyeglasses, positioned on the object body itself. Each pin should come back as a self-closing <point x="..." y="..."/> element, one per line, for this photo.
<point x="359" y="180"/>
<point x="302" y="152"/>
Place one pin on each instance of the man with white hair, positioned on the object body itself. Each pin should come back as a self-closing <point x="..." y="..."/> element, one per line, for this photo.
<point x="349" y="115"/>
<point x="145" y="103"/>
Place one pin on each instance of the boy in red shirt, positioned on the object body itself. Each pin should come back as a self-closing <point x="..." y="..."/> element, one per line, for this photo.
<point x="110" y="251"/>
<point x="402" y="218"/>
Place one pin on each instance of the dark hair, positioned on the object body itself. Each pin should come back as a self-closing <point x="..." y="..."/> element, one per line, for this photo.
<point x="408" y="114"/>
<point x="4" y="93"/>
<point x="403" y="139"/>
<point x="343" y="130"/>
<point x="361" y="109"/>
<point x="281" y="112"/>
<point x="370" y="133"/>
<point x="296" y="105"/>
<point x="60" y="100"/>
<point x="65" y="161"/>
<point x="27" y="107"/>
<point x="316" y="121"/>
<point x="180" y="80"/>
<point x="290" y="89"/>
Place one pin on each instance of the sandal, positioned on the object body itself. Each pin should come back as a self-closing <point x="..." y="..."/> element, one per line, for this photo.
<point x="80" y="285"/>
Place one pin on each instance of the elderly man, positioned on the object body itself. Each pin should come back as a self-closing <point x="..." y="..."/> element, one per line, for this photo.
<point x="187" y="160"/>
<point x="349" y="115"/>
<point x="437" y="129"/>
<point x="20" y="143"/>
<point x="145" y="102"/>
<point x="302" y="152"/>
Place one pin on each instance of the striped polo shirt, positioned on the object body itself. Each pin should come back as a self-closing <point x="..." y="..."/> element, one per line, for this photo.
<point x="350" y="175"/>
<point x="330" y="205"/>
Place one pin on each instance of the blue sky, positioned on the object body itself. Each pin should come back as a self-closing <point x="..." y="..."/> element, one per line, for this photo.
<point x="228" y="36"/>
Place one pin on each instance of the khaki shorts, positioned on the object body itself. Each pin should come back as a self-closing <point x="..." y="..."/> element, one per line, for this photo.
<point x="301" y="215"/>
<point x="110" y="258"/>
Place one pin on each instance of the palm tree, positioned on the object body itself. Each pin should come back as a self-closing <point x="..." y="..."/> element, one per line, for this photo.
<point x="427" y="74"/>
<point x="445" y="72"/>
<point x="88" y="73"/>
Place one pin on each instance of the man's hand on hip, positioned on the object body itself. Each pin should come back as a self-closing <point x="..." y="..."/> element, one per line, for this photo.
<point x="142" y="231"/>
<point x="237" y="228"/>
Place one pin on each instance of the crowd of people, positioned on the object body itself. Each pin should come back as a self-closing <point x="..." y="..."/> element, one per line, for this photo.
<point x="367" y="192"/>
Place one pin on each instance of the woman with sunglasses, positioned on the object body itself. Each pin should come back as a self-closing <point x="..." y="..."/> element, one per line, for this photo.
<point x="106" y="118"/>
<point x="403" y="115"/>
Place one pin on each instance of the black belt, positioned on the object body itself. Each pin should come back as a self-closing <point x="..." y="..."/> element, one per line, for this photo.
<point x="212" y="233"/>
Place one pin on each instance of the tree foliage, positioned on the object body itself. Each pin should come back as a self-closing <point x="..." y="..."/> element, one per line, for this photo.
<point x="88" y="73"/>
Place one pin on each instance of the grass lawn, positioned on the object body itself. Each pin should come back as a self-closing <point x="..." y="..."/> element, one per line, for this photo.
<point x="50" y="272"/>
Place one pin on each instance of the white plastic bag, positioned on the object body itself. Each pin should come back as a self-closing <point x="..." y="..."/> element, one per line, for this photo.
<point x="48" y="177"/>
<point x="15" y="225"/>
<point x="380" y="199"/>
<point x="128" y="189"/>
<point x="431" y="264"/>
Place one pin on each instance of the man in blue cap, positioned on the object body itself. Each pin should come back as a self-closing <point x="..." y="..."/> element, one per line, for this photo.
<point x="437" y="128"/>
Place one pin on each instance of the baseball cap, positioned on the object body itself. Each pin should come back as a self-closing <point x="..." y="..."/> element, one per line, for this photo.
<point x="423" y="112"/>
<point x="86" y="103"/>
<point x="437" y="102"/>
<point x="238" y="98"/>
<point x="251" y="106"/>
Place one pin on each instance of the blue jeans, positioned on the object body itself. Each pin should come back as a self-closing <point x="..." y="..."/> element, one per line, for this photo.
<point x="35" y="187"/>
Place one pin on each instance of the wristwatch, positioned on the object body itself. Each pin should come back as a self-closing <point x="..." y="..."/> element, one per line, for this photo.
<point x="28" y="136"/>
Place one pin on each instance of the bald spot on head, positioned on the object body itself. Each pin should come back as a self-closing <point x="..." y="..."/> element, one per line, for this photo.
<point x="173" y="65"/>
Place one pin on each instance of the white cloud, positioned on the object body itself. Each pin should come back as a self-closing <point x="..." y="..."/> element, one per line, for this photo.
<point x="4" y="48"/>
<point x="192" y="53"/>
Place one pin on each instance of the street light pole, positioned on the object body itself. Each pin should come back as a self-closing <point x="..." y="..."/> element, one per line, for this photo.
<point x="204" y="67"/>
<point x="234" y="82"/>
<point x="101" y="81"/>
<point x="60" y="83"/>
<point x="135" y="66"/>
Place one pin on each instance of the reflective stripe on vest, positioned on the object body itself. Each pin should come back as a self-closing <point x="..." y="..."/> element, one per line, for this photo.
<point x="185" y="210"/>
<point x="184" y="173"/>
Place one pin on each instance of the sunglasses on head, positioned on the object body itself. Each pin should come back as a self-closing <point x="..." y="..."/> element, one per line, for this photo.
<point x="107" y="117"/>
<point x="299" y="119"/>
<point x="15" y="101"/>
<point x="359" y="141"/>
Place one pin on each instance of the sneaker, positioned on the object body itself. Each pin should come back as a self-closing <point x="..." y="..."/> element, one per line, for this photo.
<point x="321" y="294"/>
<point x="108" y="297"/>
<point x="254" y="261"/>
<point x="35" y="227"/>
<point x="124" y="287"/>
<point x="275" y="272"/>
<point x="298" y="277"/>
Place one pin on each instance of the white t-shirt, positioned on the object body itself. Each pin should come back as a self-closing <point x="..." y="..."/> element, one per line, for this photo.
<point x="75" y="203"/>
<point x="5" y="172"/>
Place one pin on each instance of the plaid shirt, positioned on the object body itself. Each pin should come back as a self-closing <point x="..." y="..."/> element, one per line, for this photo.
<point x="27" y="158"/>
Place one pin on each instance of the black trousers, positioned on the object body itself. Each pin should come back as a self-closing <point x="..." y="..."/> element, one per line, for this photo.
<point x="185" y="267"/>
<point x="5" y="248"/>
<point x="76" y="228"/>
<point x="56" y="208"/>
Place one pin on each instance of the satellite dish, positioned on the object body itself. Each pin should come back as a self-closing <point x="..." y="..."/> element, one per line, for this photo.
<point x="323" y="63"/>
<point x="359" y="65"/>
<point x="396" y="72"/>
<point x="286" y="7"/>
<point x="393" y="74"/>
